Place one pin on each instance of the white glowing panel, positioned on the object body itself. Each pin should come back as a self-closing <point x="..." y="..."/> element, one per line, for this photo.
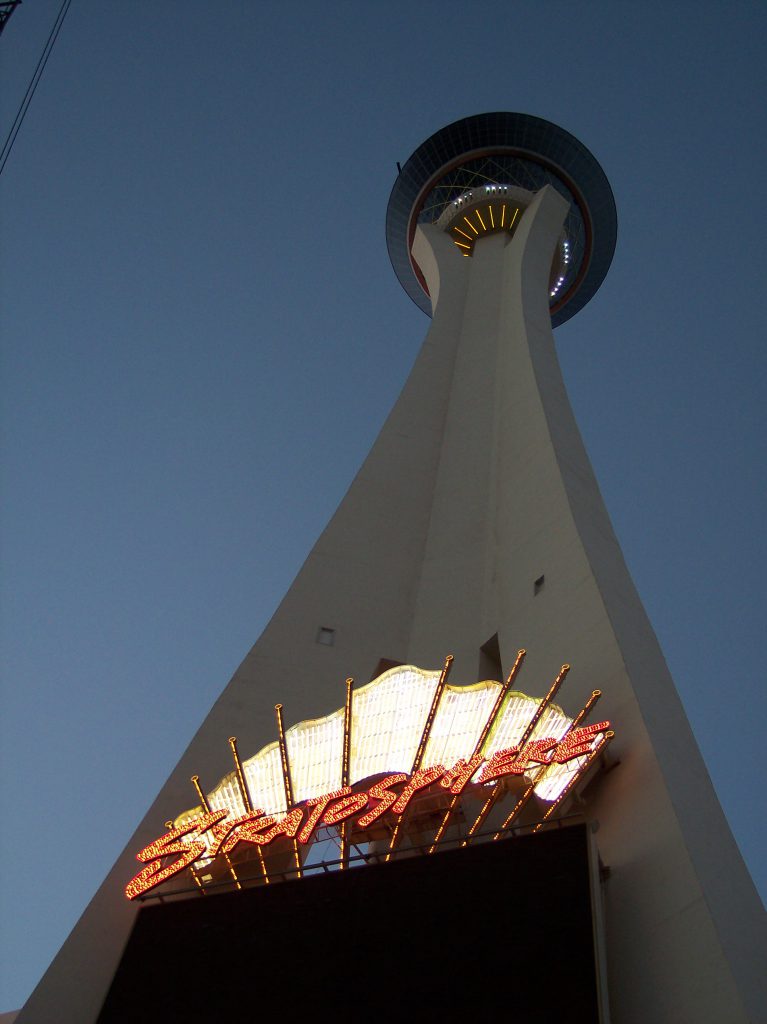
<point x="388" y="716"/>
<point x="315" y="751"/>
<point x="458" y="724"/>
<point x="388" y="720"/>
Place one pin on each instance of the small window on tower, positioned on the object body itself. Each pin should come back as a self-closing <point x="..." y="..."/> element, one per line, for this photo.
<point x="538" y="585"/>
<point x="326" y="636"/>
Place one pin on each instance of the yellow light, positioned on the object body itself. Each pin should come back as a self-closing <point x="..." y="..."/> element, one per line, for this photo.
<point x="479" y="217"/>
<point x="492" y="220"/>
<point x="503" y="214"/>
<point x="511" y="224"/>
<point x="462" y="233"/>
<point x="463" y="245"/>
<point x="471" y="225"/>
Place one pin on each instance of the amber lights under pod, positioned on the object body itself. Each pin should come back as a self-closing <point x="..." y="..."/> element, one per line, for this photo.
<point x="493" y="213"/>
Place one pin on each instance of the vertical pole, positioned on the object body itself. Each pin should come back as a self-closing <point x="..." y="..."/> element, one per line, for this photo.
<point x="498" y="788"/>
<point x="245" y="793"/>
<point x="345" y="769"/>
<point x="421" y="751"/>
<point x="504" y="689"/>
<point x="441" y="683"/>
<point x="288" y="783"/>
<point x="523" y="800"/>
<point x="204" y="801"/>
<point x="606" y="737"/>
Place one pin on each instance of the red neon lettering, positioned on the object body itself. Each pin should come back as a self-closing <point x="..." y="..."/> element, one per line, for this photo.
<point x="501" y="763"/>
<point x="220" y="832"/>
<point x="419" y="780"/>
<point x="318" y="805"/>
<point x="537" y="750"/>
<point x="578" y="742"/>
<point x="513" y="761"/>
<point x="168" y="846"/>
<point x="336" y="807"/>
<point x="287" y="826"/>
<point x="381" y="792"/>
<point x="248" y="831"/>
<point x="345" y="808"/>
<point x="251" y="832"/>
<point x="457" y="778"/>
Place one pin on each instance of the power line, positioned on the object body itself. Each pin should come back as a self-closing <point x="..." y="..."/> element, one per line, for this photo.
<point x="22" y="111"/>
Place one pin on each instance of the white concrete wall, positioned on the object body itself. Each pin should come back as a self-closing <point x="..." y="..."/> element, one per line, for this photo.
<point x="477" y="485"/>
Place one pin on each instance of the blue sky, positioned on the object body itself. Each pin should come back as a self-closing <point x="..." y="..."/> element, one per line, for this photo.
<point x="202" y="335"/>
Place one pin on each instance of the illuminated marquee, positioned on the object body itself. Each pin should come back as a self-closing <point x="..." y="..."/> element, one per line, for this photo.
<point x="409" y="731"/>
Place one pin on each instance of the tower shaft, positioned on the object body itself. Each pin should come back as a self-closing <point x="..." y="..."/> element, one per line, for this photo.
<point x="477" y="515"/>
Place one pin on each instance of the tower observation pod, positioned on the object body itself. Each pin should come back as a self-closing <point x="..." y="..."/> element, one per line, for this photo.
<point x="436" y="664"/>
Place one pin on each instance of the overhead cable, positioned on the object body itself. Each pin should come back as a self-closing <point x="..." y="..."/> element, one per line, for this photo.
<point x="22" y="111"/>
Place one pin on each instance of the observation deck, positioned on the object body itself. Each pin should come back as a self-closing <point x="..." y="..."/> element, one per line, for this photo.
<point x="491" y="156"/>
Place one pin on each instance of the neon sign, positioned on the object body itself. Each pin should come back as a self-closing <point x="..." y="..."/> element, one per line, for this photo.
<point x="405" y="740"/>
<point x="226" y="832"/>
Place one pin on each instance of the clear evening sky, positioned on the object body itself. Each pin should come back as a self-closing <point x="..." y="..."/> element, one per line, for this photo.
<point x="202" y="335"/>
